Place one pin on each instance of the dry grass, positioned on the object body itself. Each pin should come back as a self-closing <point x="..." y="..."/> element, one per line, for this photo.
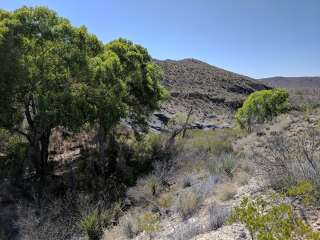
<point x="165" y="200"/>
<point x="217" y="216"/>
<point x="287" y="161"/>
<point x="226" y="191"/>
<point x="188" y="203"/>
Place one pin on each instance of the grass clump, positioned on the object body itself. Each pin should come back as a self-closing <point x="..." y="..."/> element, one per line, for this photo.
<point x="224" y="164"/>
<point x="165" y="200"/>
<point x="134" y="223"/>
<point x="94" y="223"/>
<point x="188" y="203"/>
<point x="218" y="215"/>
<point x="90" y="224"/>
<point x="227" y="191"/>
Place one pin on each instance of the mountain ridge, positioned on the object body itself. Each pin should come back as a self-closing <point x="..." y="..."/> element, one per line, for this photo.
<point x="293" y="82"/>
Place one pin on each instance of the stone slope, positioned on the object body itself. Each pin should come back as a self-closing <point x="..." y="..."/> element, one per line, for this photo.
<point x="212" y="92"/>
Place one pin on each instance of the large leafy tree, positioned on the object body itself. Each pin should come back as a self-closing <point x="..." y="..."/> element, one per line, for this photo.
<point x="125" y="85"/>
<point x="43" y="74"/>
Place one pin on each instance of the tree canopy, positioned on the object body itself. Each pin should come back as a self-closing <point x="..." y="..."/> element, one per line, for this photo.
<point x="54" y="74"/>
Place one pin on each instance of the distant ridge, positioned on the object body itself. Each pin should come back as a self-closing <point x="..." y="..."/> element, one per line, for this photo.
<point x="293" y="82"/>
<point x="210" y="90"/>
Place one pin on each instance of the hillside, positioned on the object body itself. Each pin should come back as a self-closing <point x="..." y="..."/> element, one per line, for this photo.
<point x="212" y="91"/>
<point x="293" y="82"/>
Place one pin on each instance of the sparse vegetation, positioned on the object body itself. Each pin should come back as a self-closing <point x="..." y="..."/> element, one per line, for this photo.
<point x="135" y="223"/>
<point x="165" y="200"/>
<point x="292" y="160"/>
<point x="224" y="164"/>
<point x="218" y="215"/>
<point x="271" y="219"/>
<point x="227" y="191"/>
<point x="188" y="203"/>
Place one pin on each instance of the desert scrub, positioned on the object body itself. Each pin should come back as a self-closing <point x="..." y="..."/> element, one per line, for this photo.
<point x="261" y="106"/>
<point x="90" y="224"/>
<point x="165" y="200"/>
<point x="226" y="191"/>
<point x="148" y="222"/>
<point x="287" y="161"/>
<point x="188" y="203"/>
<point x="218" y="215"/>
<point x="224" y="164"/>
<point x="134" y="223"/>
<point x="272" y="219"/>
<point x="214" y="142"/>
<point x="94" y="223"/>
<point x="305" y="191"/>
<point x="146" y="189"/>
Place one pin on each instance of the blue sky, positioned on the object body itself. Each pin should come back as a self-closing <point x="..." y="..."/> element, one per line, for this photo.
<point x="259" y="38"/>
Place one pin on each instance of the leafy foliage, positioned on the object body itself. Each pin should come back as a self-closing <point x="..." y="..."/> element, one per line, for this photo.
<point x="44" y="63"/>
<point x="261" y="106"/>
<point x="271" y="220"/>
<point x="305" y="191"/>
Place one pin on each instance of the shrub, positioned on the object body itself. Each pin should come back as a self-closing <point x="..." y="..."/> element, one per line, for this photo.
<point x="148" y="223"/>
<point x="271" y="219"/>
<point x="226" y="164"/>
<point x="188" y="203"/>
<point x="13" y="163"/>
<point x="135" y="223"/>
<point x="288" y="161"/>
<point x="305" y="191"/>
<point x="217" y="217"/>
<point x="261" y="106"/>
<point x="165" y="200"/>
<point x="227" y="191"/>
<point x="146" y="189"/>
<point x="186" y="231"/>
<point x="90" y="224"/>
<point x="128" y="225"/>
<point x="94" y="223"/>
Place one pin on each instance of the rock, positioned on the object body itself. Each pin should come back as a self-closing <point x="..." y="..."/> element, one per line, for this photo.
<point x="163" y="117"/>
<point x="260" y="134"/>
<point x="203" y="126"/>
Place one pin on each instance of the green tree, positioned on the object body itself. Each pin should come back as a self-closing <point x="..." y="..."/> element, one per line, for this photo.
<point x="125" y="85"/>
<point x="44" y="69"/>
<point x="261" y="106"/>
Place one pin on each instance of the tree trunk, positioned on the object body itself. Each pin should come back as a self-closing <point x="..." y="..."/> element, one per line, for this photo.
<point x="39" y="151"/>
<point x="102" y="143"/>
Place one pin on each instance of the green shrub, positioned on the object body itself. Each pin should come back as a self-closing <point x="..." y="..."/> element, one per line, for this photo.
<point x="271" y="220"/>
<point x="94" y="223"/>
<point x="13" y="156"/>
<point x="305" y="191"/>
<point x="261" y="106"/>
<point x="90" y="224"/>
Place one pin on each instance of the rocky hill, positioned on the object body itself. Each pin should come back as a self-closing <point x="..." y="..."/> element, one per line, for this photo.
<point x="293" y="82"/>
<point x="212" y="92"/>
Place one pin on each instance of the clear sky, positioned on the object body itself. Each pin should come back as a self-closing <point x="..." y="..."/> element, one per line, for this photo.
<point x="259" y="38"/>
